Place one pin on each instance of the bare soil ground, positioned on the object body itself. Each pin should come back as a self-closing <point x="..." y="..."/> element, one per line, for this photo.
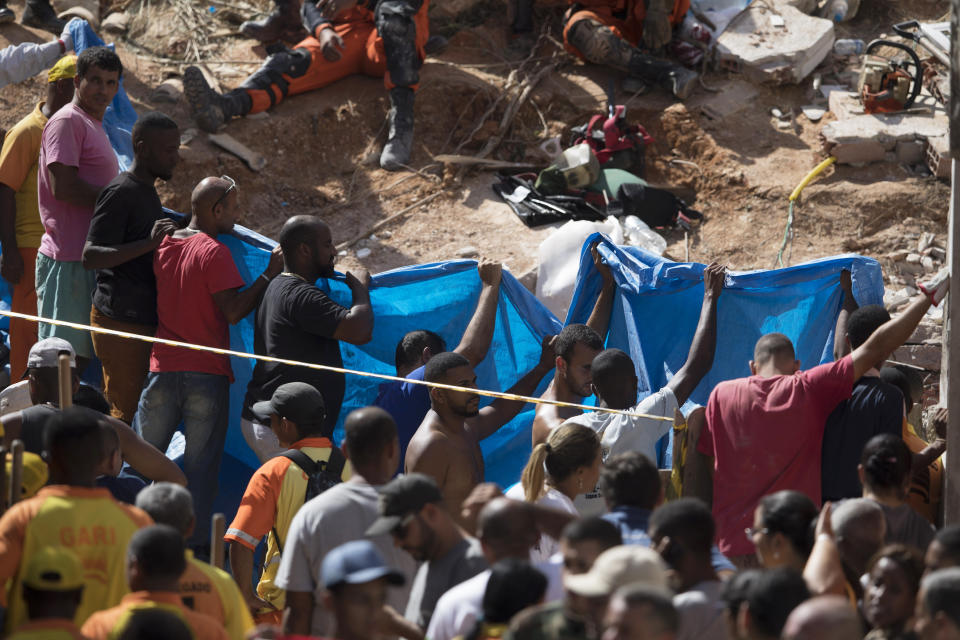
<point x="322" y="148"/>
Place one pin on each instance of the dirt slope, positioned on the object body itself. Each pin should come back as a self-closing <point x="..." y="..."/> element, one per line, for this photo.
<point x="322" y="148"/>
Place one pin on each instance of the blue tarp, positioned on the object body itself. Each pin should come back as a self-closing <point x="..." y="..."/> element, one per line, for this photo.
<point x="654" y="316"/>
<point x="440" y="297"/>
<point x="658" y="303"/>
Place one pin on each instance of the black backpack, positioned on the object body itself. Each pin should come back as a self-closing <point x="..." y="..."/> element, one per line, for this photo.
<point x="321" y="475"/>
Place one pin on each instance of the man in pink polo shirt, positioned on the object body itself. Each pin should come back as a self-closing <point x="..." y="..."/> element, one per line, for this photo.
<point x="764" y="432"/>
<point x="76" y="162"/>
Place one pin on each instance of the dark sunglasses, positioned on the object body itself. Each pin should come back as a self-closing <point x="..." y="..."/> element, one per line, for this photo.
<point x="223" y="196"/>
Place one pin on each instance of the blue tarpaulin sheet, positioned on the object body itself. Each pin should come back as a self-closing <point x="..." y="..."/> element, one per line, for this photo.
<point x="655" y="313"/>
<point x="658" y="303"/>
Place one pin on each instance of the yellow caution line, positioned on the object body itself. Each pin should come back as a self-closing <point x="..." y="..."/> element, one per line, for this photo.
<point x="324" y="367"/>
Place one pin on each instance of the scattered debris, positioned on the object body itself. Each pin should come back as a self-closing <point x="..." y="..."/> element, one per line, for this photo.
<point x="170" y="90"/>
<point x="225" y="141"/>
<point x="117" y="23"/>
<point x="813" y="112"/>
<point x="762" y="52"/>
<point x="468" y="252"/>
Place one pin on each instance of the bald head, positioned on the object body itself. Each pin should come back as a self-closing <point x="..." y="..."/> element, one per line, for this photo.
<point x="209" y="201"/>
<point x="775" y="351"/>
<point x="507" y="529"/>
<point x="860" y="527"/>
<point x="308" y="247"/>
<point x="300" y="230"/>
<point x="370" y="436"/>
<point x="823" y="618"/>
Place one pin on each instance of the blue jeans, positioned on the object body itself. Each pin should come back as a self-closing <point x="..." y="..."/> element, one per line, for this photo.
<point x="202" y="402"/>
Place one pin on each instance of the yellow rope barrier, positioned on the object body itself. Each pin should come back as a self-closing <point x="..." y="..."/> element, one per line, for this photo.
<point x="324" y="367"/>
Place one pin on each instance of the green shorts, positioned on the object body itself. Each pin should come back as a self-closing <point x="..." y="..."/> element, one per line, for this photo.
<point x="65" y="292"/>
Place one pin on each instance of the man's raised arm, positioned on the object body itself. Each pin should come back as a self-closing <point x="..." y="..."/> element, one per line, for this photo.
<point x="700" y="357"/>
<point x="895" y="332"/>
<point x="840" y="346"/>
<point x="479" y="333"/>
<point x="501" y="411"/>
<point x="599" y="319"/>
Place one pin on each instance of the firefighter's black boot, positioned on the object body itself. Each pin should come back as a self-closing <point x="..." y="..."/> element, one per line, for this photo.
<point x="39" y="14"/>
<point x="400" y="142"/>
<point x="210" y="109"/>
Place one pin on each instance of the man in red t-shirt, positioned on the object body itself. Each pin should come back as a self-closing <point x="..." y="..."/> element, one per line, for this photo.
<point x="765" y="432"/>
<point x="198" y="296"/>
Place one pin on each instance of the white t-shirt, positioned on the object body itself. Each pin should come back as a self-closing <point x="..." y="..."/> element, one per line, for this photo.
<point x="458" y="610"/>
<point x="701" y="612"/>
<point x="619" y="434"/>
<point x="553" y="499"/>
<point x="340" y="514"/>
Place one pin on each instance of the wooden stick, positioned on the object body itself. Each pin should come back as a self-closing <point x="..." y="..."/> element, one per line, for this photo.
<point x="4" y="481"/>
<point x="16" y="472"/>
<point x="66" y="381"/>
<point x="218" y="527"/>
<point x="388" y="220"/>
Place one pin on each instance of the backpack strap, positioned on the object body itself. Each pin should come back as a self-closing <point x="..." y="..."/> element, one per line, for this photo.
<point x="308" y="466"/>
<point x="335" y="463"/>
<point x="302" y="460"/>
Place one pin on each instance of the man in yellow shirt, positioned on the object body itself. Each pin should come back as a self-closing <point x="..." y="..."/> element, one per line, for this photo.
<point x="52" y="588"/>
<point x="296" y="414"/>
<point x="203" y="587"/>
<point x="69" y="513"/>
<point x="155" y="563"/>
<point x="20" y="226"/>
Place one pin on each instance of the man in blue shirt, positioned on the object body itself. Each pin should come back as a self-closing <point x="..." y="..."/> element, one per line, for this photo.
<point x="408" y="402"/>
<point x="630" y="485"/>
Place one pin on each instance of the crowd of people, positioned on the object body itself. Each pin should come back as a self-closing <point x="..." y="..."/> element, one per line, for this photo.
<point x="816" y="515"/>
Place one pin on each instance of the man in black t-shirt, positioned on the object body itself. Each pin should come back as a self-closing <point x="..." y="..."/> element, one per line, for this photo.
<point x="128" y="224"/>
<point x="296" y="320"/>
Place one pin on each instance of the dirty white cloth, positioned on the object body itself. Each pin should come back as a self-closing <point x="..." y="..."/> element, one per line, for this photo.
<point x="27" y="59"/>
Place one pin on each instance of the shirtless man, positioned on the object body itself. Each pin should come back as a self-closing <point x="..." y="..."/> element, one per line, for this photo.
<point x="447" y="444"/>
<point x="577" y="346"/>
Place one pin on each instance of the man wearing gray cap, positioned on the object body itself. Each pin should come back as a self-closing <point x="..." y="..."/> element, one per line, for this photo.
<point x="412" y="511"/>
<point x="43" y="376"/>
<point x="277" y="490"/>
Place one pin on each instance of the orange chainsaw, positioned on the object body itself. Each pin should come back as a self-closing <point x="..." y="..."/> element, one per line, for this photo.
<point x="887" y="85"/>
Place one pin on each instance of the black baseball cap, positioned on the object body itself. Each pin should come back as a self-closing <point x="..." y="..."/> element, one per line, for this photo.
<point x="402" y="496"/>
<point x="296" y="401"/>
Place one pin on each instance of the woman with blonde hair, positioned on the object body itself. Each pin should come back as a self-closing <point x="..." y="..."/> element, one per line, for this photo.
<point x="563" y="467"/>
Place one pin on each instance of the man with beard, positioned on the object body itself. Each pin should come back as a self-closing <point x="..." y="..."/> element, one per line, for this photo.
<point x="447" y="444"/>
<point x="577" y="346"/>
<point x="296" y="320"/>
<point x="128" y="225"/>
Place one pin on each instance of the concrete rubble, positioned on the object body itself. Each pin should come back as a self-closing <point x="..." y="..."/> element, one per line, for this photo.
<point x="754" y="45"/>
<point x="860" y="138"/>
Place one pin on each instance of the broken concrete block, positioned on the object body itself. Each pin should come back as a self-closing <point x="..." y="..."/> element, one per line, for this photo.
<point x="911" y="152"/>
<point x="844" y="104"/>
<point x="925" y="356"/>
<point x="753" y="46"/>
<point x="869" y="137"/>
<point x="938" y="156"/>
<point x="88" y="10"/>
<point x="116" y="23"/>
<point x="170" y="90"/>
